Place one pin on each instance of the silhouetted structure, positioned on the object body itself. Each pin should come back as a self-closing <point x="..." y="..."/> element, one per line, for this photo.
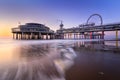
<point x="89" y="30"/>
<point x="32" y="31"/>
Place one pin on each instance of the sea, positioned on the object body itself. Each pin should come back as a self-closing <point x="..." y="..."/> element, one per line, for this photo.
<point x="59" y="59"/>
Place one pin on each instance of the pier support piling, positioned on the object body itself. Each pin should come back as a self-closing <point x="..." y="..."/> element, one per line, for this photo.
<point x="102" y="34"/>
<point x="13" y="36"/>
<point x="116" y="35"/>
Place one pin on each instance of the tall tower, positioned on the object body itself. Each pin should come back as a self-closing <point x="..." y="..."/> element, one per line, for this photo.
<point x="61" y="34"/>
<point x="61" y="25"/>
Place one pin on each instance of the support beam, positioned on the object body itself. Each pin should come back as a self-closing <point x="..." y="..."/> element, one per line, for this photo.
<point x="28" y="36"/>
<point x="102" y="34"/>
<point x="84" y="36"/>
<point x="19" y="36"/>
<point x="116" y="35"/>
<point x="47" y="36"/>
<point x="90" y="35"/>
<point x="39" y="35"/>
<point x="64" y="36"/>
<point x="116" y="43"/>
<point x="13" y="36"/>
<point x="16" y="35"/>
<point x="22" y="35"/>
<point x="74" y="36"/>
<point x="32" y="36"/>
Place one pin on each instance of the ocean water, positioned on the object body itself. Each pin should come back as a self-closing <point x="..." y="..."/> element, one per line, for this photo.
<point x="59" y="60"/>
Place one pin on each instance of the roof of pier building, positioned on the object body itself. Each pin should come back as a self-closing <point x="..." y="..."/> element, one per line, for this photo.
<point x="32" y="27"/>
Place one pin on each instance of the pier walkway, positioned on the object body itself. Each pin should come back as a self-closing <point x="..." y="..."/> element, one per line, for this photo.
<point x="89" y="30"/>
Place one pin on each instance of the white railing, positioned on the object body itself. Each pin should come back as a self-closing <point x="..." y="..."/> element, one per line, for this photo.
<point x="30" y="30"/>
<point x="16" y="30"/>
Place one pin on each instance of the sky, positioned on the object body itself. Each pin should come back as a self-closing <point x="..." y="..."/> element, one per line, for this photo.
<point x="49" y="12"/>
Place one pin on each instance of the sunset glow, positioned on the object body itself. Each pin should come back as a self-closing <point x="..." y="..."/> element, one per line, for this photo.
<point x="48" y="12"/>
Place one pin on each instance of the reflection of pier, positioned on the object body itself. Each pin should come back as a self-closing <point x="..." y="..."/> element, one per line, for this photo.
<point x="97" y="46"/>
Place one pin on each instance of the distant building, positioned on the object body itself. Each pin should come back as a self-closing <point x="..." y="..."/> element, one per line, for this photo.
<point x="59" y="33"/>
<point x="32" y="31"/>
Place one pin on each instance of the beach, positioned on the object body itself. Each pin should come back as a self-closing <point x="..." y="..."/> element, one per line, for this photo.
<point x="59" y="60"/>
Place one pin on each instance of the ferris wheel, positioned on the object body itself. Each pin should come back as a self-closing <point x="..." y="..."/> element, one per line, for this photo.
<point x="95" y="19"/>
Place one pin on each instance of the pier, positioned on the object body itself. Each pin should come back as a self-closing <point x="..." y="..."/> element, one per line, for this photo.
<point x="89" y="30"/>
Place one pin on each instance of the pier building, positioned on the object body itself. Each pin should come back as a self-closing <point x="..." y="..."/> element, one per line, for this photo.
<point x="33" y="31"/>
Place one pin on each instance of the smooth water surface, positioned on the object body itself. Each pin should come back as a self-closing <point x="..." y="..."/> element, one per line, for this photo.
<point x="59" y="60"/>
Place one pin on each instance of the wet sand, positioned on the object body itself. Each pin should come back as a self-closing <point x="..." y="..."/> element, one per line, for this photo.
<point x="39" y="62"/>
<point x="76" y="60"/>
<point x="93" y="63"/>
